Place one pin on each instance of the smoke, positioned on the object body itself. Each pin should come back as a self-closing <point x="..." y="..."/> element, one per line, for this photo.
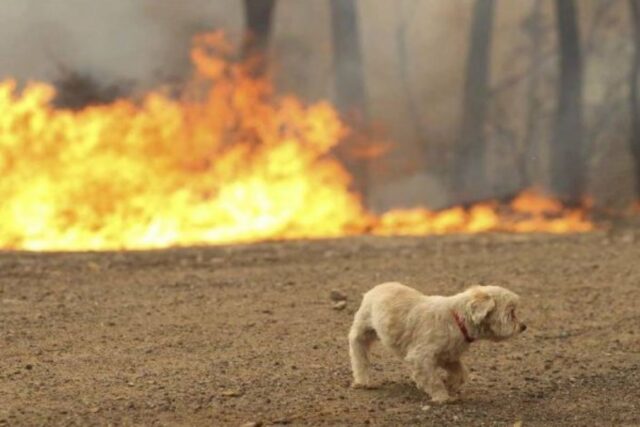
<point x="144" y="42"/>
<point x="414" y="54"/>
<point x="412" y="100"/>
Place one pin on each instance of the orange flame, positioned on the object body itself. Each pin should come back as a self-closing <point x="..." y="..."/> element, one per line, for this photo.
<point x="528" y="212"/>
<point x="236" y="165"/>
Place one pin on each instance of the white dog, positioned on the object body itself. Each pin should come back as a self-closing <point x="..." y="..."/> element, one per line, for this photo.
<point x="430" y="332"/>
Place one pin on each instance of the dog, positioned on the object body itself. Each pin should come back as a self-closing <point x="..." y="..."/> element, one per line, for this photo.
<point x="430" y="332"/>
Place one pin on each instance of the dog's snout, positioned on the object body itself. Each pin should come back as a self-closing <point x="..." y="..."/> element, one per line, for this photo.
<point x="523" y="327"/>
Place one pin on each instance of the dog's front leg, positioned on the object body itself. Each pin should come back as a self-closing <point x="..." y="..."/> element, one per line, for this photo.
<point x="424" y="373"/>
<point x="456" y="376"/>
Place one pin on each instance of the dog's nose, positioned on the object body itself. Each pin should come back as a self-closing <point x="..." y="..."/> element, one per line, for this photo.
<point x="523" y="327"/>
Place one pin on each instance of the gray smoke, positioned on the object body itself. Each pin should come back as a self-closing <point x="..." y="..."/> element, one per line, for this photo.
<point x="414" y="54"/>
<point x="143" y="41"/>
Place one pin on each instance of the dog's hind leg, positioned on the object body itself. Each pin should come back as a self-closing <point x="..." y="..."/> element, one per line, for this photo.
<point x="361" y="336"/>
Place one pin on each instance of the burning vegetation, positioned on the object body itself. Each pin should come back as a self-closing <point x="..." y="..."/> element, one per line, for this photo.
<point x="228" y="161"/>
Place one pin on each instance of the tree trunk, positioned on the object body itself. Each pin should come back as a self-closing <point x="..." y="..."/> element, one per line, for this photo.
<point x="404" y="69"/>
<point x="634" y="96"/>
<point x="348" y="73"/>
<point x="469" y="179"/>
<point x="347" y="57"/>
<point x="534" y="104"/>
<point x="258" y="19"/>
<point x="567" y="161"/>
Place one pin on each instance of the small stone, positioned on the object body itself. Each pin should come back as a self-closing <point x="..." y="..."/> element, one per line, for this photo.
<point x="231" y="393"/>
<point x="252" y="424"/>
<point x="628" y="238"/>
<point x="340" y="305"/>
<point x="336" y="295"/>
<point x="329" y="254"/>
<point x="426" y="407"/>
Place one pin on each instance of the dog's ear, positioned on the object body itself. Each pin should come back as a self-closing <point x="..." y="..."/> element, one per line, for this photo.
<point x="480" y="305"/>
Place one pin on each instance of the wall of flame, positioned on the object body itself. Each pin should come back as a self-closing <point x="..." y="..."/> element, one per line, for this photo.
<point x="229" y="161"/>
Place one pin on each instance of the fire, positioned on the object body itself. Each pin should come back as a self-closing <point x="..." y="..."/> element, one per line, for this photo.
<point x="235" y="164"/>
<point x="528" y="212"/>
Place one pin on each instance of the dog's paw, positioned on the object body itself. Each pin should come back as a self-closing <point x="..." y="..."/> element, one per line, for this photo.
<point x="454" y="390"/>
<point x="443" y="398"/>
<point x="363" y="386"/>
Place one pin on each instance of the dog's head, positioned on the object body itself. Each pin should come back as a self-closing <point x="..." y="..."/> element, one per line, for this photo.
<point x="493" y="312"/>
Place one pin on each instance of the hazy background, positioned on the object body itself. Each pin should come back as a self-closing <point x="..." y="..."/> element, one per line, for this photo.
<point x="414" y="55"/>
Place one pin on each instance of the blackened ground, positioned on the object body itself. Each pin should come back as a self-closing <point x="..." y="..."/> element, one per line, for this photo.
<point x="229" y="335"/>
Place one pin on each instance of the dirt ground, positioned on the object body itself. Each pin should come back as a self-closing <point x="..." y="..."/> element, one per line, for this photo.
<point x="224" y="336"/>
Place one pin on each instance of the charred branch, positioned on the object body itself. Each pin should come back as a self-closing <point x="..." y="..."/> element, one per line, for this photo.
<point x="76" y="90"/>
<point x="258" y="21"/>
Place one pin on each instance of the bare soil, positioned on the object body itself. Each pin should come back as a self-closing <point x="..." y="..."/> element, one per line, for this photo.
<point x="223" y="336"/>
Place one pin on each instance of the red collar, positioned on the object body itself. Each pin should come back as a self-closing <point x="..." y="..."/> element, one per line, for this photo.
<point x="463" y="328"/>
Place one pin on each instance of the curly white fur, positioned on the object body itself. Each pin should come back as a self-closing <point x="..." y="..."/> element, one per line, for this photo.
<point x="424" y="332"/>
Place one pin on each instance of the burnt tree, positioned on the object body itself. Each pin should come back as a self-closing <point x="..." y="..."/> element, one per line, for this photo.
<point x="258" y="20"/>
<point x="347" y="57"/>
<point x="634" y="96"/>
<point x="567" y="157"/>
<point x="350" y="97"/>
<point x="469" y="175"/>
<point x="535" y="31"/>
